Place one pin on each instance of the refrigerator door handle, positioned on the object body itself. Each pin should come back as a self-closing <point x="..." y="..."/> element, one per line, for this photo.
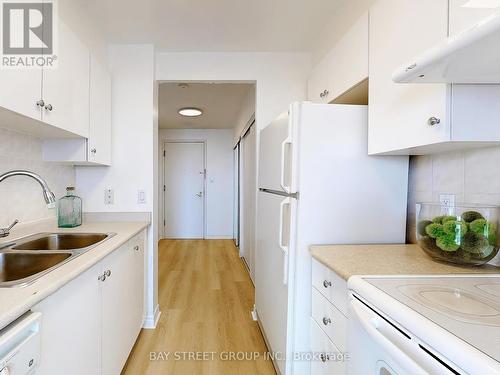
<point x="284" y="247"/>
<point x="282" y="181"/>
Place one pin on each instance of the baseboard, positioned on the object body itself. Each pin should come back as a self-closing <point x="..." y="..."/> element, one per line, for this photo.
<point x="151" y="320"/>
<point x="230" y="237"/>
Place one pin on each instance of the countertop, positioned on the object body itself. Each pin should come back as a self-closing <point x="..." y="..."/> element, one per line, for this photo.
<point x="15" y="301"/>
<point x="399" y="259"/>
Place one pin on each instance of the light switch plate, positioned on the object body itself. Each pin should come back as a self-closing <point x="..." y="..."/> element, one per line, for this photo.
<point x="141" y="196"/>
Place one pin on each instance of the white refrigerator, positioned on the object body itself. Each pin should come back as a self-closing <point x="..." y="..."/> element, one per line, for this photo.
<point x="317" y="185"/>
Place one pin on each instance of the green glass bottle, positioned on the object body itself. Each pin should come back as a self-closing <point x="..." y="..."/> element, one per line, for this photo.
<point x="69" y="210"/>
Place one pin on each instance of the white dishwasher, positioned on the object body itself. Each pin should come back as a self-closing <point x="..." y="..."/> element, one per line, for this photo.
<point x="20" y="345"/>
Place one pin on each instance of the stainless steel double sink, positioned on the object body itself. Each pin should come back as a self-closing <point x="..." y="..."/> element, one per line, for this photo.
<point x="24" y="260"/>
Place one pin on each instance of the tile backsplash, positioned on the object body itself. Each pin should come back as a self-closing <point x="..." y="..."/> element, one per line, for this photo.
<point x="472" y="175"/>
<point x="21" y="197"/>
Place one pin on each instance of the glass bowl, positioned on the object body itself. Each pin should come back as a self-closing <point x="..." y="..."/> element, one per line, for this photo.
<point x="463" y="234"/>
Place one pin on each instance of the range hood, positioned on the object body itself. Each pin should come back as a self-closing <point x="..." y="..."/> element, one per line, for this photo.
<point x="473" y="56"/>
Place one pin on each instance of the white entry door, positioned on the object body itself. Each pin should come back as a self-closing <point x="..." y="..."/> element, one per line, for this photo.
<point x="184" y="189"/>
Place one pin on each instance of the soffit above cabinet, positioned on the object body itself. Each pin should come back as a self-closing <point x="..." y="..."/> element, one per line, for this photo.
<point x="472" y="56"/>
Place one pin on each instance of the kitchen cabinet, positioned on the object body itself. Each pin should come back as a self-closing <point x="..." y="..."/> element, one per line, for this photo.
<point x="328" y="320"/>
<point x="96" y="149"/>
<point x="71" y="322"/>
<point x="95" y="319"/>
<point x="122" y="299"/>
<point x="462" y="17"/>
<point x="421" y="118"/>
<point x="344" y="67"/>
<point x="319" y="84"/>
<point x="49" y="102"/>
<point x="65" y="89"/>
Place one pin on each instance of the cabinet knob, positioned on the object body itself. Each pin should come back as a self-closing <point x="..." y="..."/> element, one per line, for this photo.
<point x="323" y="357"/>
<point x="40" y="103"/>
<point x="433" y="121"/>
<point x="94" y="151"/>
<point x="136" y="247"/>
<point x="101" y="277"/>
<point x="107" y="273"/>
<point x="327" y="284"/>
<point x="324" y="94"/>
<point x="326" y="321"/>
<point x="48" y="107"/>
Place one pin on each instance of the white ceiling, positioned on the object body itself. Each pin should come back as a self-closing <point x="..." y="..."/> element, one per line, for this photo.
<point x="215" y="25"/>
<point x="221" y="104"/>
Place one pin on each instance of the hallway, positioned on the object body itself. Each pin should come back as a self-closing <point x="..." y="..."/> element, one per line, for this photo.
<point x="205" y="297"/>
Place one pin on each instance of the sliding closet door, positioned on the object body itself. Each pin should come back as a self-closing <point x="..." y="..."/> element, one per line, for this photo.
<point x="236" y="203"/>
<point x="248" y="188"/>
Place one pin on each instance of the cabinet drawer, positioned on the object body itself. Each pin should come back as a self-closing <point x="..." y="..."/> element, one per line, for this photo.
<point x="331" y="320"/>
<point x="327" y="358"/>
<point x="332" y="286"/>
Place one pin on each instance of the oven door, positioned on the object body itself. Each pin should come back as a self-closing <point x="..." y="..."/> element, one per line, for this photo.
<point x="381" y="348"/>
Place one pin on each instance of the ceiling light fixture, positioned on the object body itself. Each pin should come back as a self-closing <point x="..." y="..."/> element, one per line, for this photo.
<point x="190" y="112"/>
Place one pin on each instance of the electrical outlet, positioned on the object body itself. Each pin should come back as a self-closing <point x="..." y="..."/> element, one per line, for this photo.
<point x="109" y="196"/>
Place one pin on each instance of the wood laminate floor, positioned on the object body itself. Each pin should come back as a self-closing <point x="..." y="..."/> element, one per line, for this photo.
<point x="205" y="296"/>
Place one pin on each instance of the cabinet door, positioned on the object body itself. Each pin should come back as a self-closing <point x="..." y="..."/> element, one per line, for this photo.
<point x="319" y="88"/>
<point x="399" y="113"/>
<point x="463" y="14"/>
<point x="65" y="89"/>
<point x="20" y="90"/>
<point x="71" y="326"/>
<point x="137" y="245"/>
<point x="350" y="59"/>
<point x="118" y="336"/>
<point x="99" y="146"/>
<point x="331" y="360"/>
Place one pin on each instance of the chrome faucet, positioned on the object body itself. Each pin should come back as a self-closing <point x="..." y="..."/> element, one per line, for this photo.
<point x="48" y="195"/>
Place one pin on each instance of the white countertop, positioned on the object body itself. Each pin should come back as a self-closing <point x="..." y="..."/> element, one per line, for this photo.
<point x="15" y="301"/>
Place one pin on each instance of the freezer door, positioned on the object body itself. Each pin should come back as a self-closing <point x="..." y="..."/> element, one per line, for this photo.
<point x="276" y="152"/>
<point x="274" y="220"/>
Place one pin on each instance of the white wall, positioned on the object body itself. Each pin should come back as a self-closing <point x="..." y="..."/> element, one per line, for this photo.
<point x="134" y="147"/>
<point x="281" y="77"/>
<point x="219" y="162"/>
<point x="246" y="112"/>
<point x="21" y="197"/>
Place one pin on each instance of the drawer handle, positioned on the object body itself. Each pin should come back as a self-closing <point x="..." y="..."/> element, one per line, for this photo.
<point x="324" y="357"/>
<point x="327" y="284"/>
<point x="327" y="320"/>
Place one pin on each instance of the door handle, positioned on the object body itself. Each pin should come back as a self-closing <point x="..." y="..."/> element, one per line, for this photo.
<point x="282" y="182"/>
<point x="200" y="194"/>
<point x="284" y="247"/>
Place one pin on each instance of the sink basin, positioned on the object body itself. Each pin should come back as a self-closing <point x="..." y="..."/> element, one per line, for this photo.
<point x="60" y="241"/>
<point x="15" y="267"/>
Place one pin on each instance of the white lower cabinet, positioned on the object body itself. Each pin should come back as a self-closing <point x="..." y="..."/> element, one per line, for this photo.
<point x="328" y="322"/>
<point x="90" y="325"/>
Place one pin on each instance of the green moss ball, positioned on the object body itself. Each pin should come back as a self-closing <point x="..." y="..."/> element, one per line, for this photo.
<point x="443" y="219"/>
<point x="475" y="243"/>
<point x="479" y="226"/>
<point x="421" y="227"/>
<point x="434" y="230"/>
<point x="447" y="243"/>
<point x="456" y="228"/>
<point x="470" y="216"/>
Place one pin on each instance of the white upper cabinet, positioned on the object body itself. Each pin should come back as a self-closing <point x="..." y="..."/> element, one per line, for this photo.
<point x="21" y="91"/>
<point x="319" y="85"/>
<point x="420" y="118"/>
<point x="99" y="144"/>
<point x="345" y="66"/>
<point x="65" y="89"/>
<point x="465" y="14"/>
